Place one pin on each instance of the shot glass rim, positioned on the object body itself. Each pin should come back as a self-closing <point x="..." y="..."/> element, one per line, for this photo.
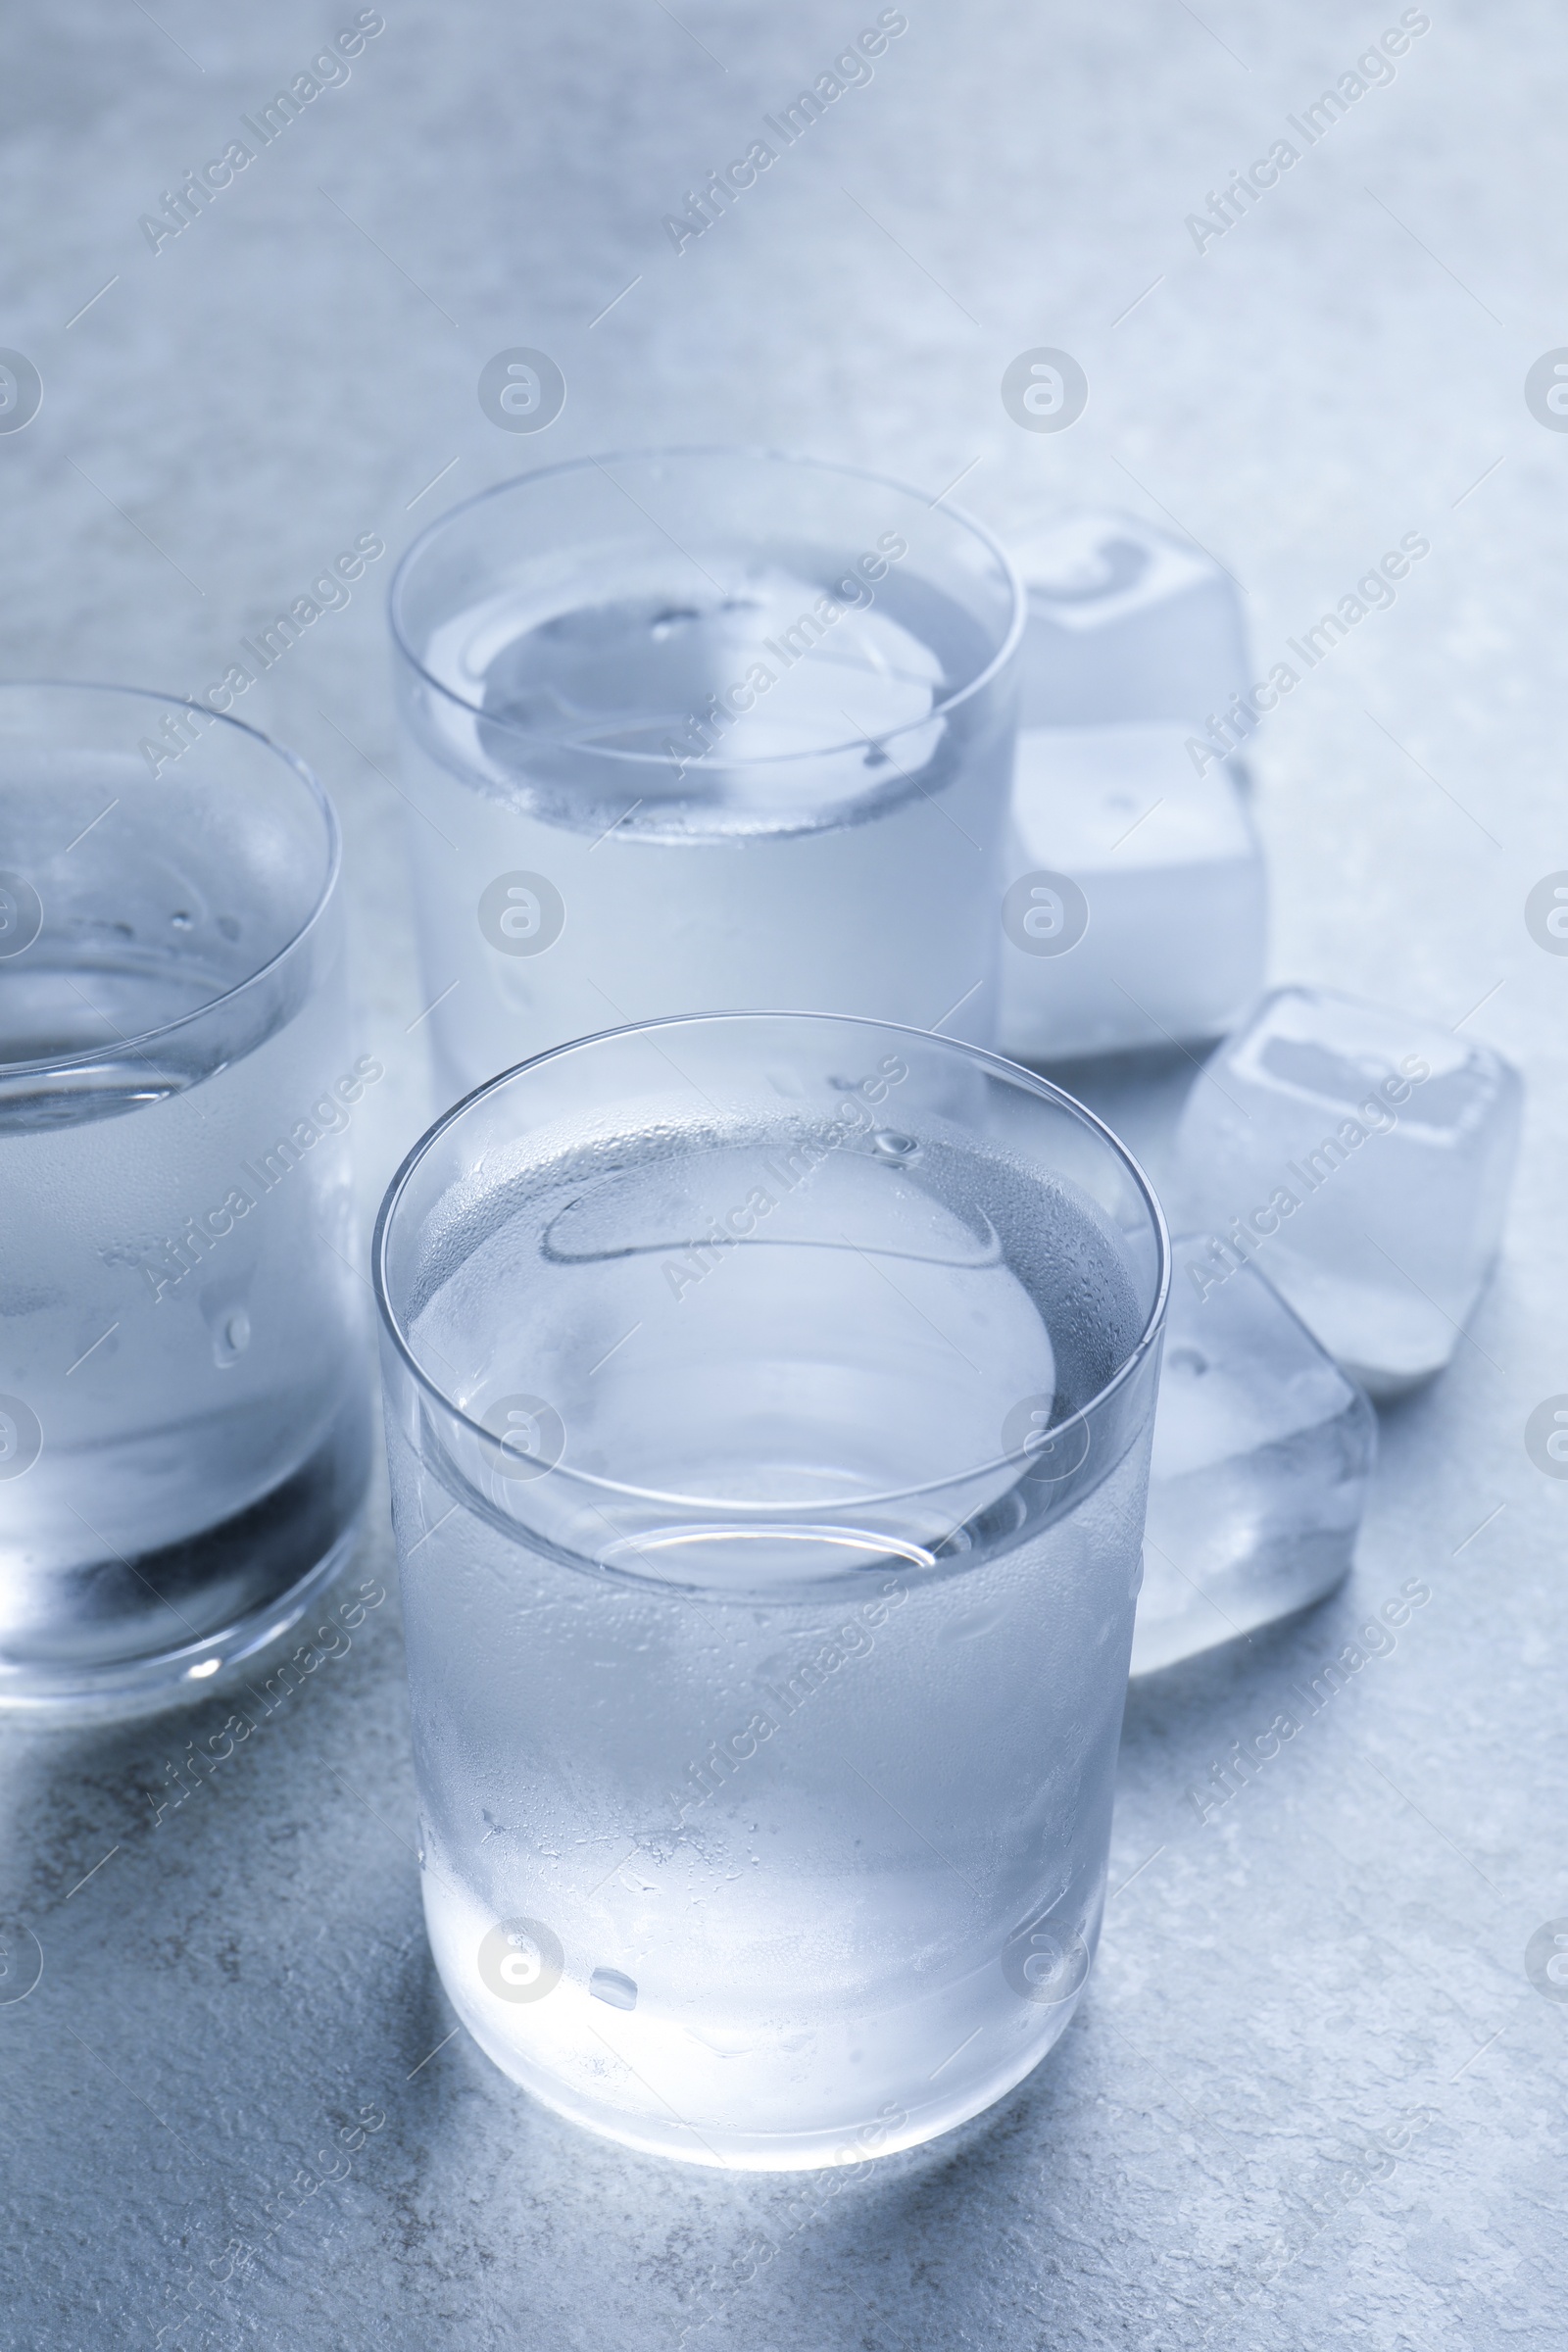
<point x="1014" y="1072"/>
<point x="782" y="457"/>
<point x="334" y="864"/>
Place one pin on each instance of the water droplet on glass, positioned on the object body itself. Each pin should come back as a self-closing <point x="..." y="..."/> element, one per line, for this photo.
<point x="231" y="1337"/>
<point x="1187" y="1360"/>
<point x="888" y="1144"/>
<point x="181" y="921"/>
<point x="974" y="1624"/>
<point x="609" y="1984"/>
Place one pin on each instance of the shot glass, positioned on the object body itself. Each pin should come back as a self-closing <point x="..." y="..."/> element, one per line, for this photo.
<point x="703" y="729"/>
<point x="183" y="1406"/>
<point x="769" y="1401"/>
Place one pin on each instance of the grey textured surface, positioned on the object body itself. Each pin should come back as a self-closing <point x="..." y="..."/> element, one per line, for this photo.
<point x="1337" y="1950"/>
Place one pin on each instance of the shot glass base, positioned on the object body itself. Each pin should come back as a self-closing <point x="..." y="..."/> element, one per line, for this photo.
<point x="716" y="2083"/>
<point x="176" y="1678"/>
<point x="830" y="2149"/>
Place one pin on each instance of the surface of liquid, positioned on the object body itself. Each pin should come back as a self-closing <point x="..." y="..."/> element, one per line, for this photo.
<point x="635" y="672"/>
<point x="772" y="705"/>
<point x="806" y="1313"/>
<point x="88" y="1016"/>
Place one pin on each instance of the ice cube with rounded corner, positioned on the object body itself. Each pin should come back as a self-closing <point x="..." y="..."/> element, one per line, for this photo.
<point x="1166" y="884"/>
<point x="1262" y="1453"/>
<point x="1364" y="1158"/>
<point x="1125" y="624"/>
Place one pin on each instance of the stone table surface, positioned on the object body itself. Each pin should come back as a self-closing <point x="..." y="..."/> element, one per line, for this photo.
<point x="1334" y="1957"/>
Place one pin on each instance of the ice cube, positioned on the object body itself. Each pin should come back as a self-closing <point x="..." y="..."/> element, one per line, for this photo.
<point x="1364" y="1158"/>
<point x="1126" y="623"/>
<point x="1159" y="934"/>
<point x="1262" y="1451"/>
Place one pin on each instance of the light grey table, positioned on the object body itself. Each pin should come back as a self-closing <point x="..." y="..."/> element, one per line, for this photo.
<point x="1333" y="1958"/>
